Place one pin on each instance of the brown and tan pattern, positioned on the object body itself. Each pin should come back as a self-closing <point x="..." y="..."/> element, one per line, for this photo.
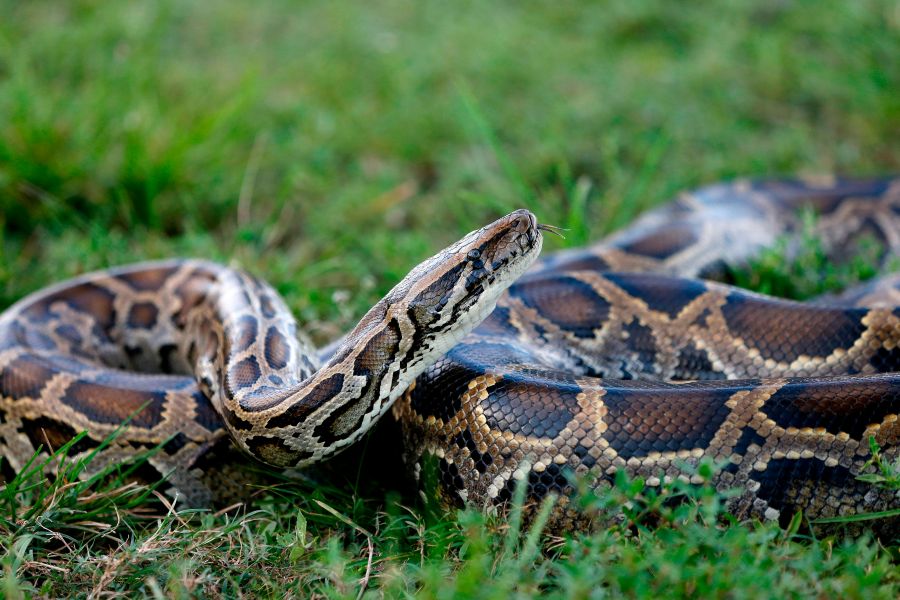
<point x="192" y="353"/>
<point x="596" y="360"/>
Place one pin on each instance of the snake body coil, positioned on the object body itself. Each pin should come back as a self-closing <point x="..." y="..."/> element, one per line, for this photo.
<point x="593" y="361"/>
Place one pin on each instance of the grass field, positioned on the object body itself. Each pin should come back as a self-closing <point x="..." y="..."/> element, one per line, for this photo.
<point x="328" y="147"/>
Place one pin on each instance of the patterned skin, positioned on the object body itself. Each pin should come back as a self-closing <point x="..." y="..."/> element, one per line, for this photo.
<point x="597" y="360"/>
<point x="191" y="353"/>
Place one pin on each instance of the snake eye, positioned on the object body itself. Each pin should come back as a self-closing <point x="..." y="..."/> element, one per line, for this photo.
<point x="474" y="254"/>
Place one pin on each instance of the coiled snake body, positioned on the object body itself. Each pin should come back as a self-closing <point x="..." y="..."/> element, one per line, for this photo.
<point x="595" y="360"/>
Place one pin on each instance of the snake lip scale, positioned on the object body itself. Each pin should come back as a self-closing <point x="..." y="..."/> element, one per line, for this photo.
<point x="501" y="370"/>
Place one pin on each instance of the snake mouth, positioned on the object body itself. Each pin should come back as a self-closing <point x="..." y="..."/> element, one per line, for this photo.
<point x="500" y="253"/>
<point x="517" y="243"/>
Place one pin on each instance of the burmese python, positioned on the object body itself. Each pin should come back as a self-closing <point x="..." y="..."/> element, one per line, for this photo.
<point x="612" y="357"/>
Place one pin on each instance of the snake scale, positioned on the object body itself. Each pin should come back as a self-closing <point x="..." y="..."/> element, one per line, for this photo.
<point x="500" y="368"/>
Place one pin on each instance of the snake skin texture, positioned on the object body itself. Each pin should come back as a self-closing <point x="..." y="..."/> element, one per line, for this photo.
<point x="620" y="356"/>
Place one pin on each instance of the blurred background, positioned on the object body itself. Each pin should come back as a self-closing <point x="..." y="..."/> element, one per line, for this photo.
<point x="330" y="146"/>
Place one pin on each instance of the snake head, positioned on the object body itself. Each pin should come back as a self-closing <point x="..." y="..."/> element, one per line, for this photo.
<point x="456" y="289"/>
<point x="449" y="294"/>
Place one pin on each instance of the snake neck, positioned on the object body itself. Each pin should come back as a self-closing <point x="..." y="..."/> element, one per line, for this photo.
<point x="285" y="409"/>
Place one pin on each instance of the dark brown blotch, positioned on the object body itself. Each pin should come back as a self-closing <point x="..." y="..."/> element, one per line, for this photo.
<point x="204" y="412"/>
<point x="380" y="351"/>
<point x="665" y="294"/>
<point x="783" y="330"/>
<point x="371" y="363"/>
<point x="581" y="261"/>
<point x="143" y="315"/>
<point x="244" y="333"/>
<point x="114" y="402"/>
<point x="267" y="306"/>
<point x="148" y="280"/>
<point x="664" y="418"/>
<point x="571" y="304"/>
<point x="795" y="195"/>
<point x="531" y="405"/>
<point x="335" y="428"/>
<point x="439" y="391"/>
<point x="25" y="377"/>
<point x="243" y="374"/>
<point x="430" y="301"/>
<point x="324" y="391"/>
<point x="663" y="242"/>
<point x="94" y="300"/>
<point x="277" y="351"/>
<point x="834" y="405"/>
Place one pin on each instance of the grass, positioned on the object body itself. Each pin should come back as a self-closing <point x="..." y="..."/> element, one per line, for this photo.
<point x="328" y="147"/>
<point x="103" y="537"/>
